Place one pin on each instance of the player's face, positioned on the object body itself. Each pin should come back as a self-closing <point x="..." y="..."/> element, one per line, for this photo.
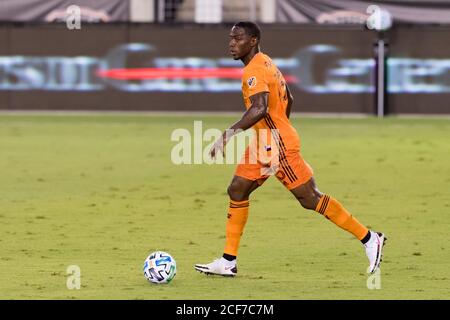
<point x="240" y="43"/>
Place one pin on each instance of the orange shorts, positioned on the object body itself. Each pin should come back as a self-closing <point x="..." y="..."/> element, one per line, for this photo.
<point x="291" y="169"/>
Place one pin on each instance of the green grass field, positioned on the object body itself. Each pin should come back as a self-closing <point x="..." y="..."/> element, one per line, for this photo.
<point x="101" y="192"/>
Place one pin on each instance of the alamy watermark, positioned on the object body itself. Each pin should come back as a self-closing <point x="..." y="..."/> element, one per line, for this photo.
<point x="379" y="19"/>
<point x="74" y="277"/>
<point x="212" y="146"/>
<point x="374" y="279"/>
<point x="73" y="19"/>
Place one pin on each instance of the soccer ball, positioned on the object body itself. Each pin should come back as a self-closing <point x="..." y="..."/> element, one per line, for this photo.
<point x="160" y="267"/>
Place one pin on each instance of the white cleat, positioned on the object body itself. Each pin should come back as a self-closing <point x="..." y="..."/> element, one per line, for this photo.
<point x="219" y="266"/>
<point x="374" y="250"/>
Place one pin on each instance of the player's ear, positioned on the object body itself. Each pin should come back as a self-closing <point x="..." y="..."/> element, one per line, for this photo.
<point x="254" y="41"/>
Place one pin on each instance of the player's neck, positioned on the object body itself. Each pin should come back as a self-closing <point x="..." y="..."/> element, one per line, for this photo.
<point x="246" y="60"/>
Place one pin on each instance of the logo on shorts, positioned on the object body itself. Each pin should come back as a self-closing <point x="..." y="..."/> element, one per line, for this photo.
<point x="251" y="82"/>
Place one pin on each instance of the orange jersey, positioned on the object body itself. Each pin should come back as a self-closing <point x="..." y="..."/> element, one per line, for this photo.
<point x="262" y="75"/>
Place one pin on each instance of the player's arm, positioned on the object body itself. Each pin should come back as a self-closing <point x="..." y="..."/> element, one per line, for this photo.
<point x="256" y="112"/>
<point x="290" y="101"/>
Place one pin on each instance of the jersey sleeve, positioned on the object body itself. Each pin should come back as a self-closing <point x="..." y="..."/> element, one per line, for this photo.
<point x="255" y="80"/>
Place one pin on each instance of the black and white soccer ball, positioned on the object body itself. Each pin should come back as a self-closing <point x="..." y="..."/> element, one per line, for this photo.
<point x="160" y="267"/>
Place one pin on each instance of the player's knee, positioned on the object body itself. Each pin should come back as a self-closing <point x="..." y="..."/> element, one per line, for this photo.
<point x="236" y="192"/>
<point x="307" y="203"/>
<point x="309" y="200"/>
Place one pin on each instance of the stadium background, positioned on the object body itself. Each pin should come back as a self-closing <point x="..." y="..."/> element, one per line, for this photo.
<point x="98" y="189"/>
<point x="329" y="55"/>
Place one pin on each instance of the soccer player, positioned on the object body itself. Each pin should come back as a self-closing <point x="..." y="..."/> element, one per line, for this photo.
<point x="268" y="102"/>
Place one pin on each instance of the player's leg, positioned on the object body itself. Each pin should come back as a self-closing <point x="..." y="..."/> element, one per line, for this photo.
<point x="239" y="191"/>
<point x="308" y="194"/>
<point x="248" y="177"/>
<point x="311" y="198"/>
<point x="240" y="188"/>
<point x="297" y="176"/>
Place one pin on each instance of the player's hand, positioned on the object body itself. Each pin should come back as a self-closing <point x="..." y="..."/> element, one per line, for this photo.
<point x="219" y="146"/>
